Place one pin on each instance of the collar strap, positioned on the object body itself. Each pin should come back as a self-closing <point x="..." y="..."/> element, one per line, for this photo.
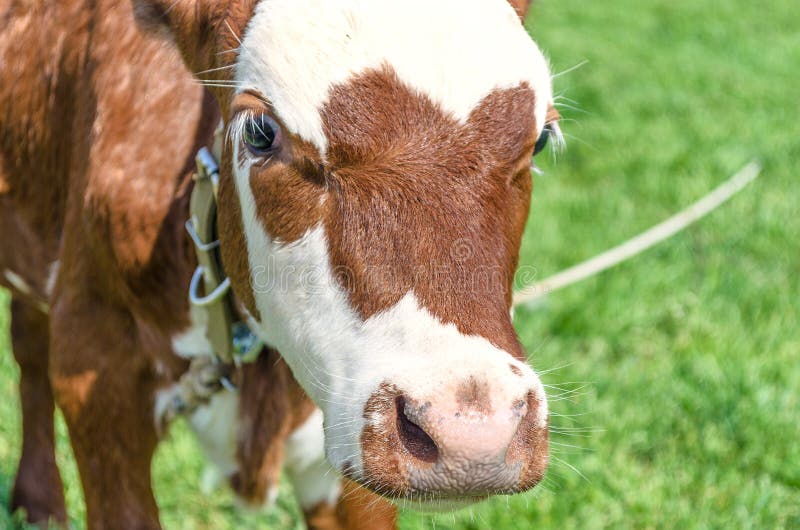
<point x="231" y="340"/>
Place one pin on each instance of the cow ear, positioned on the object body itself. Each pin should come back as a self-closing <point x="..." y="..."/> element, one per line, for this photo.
<point x="207" y="32"/>
<point x="521" y="7"/>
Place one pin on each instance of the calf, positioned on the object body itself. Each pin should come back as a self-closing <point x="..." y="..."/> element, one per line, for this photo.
<point x="374" y="185"/>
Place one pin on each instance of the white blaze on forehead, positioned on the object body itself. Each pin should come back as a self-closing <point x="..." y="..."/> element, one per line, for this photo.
<point x="454" y="51"/>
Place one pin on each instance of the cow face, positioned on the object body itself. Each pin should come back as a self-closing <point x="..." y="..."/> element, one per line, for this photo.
<point x="375" y="192"/>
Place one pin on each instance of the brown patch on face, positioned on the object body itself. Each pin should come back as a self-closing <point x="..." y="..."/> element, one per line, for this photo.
<point x="515" y="370"/>
<point x="474" y="394"/>
<point x="531" y="439"/>
<point x="419" y="201"/>
<point x="288" y="190"/>
<point x="287" y="184"/>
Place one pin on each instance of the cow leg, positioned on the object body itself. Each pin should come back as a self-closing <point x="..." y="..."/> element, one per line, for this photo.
<point x="105" y="386"/>
<point x="37" y="488"/>
<point x="328" y="501"/>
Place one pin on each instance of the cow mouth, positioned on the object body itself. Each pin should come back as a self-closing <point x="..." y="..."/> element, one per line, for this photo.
<point x="429" y="501"/>
<point x="435" y="503"/>
<point x="422" y="500"/>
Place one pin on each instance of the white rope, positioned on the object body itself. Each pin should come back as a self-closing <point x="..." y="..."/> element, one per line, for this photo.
<point x="643" y="241"/>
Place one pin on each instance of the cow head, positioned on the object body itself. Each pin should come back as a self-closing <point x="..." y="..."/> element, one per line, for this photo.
<point x="375" y="188"/>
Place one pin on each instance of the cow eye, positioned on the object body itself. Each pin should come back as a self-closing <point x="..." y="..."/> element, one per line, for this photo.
<point x="541" y="143"/>
<point x="261" y="134"/>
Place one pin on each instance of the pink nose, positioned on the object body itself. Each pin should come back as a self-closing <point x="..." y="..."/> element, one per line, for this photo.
<point x="464" y="446"/>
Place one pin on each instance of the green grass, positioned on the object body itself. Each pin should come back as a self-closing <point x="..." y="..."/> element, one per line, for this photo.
<point x="676" y="376"/>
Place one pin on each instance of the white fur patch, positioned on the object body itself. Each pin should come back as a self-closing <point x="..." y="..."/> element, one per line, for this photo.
<point x="454" y="51"/>
<point x="193" y="342"/>
<point x="312" y="477"/>
<point x="216" y="428"/>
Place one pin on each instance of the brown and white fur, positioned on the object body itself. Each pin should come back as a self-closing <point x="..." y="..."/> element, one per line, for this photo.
<point x="374" y="248"/>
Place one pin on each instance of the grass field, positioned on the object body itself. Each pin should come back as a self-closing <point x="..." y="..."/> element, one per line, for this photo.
<point x="674" y="378"/>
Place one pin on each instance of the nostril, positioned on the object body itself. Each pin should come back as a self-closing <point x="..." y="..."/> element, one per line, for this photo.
<point x="414" y="438"/>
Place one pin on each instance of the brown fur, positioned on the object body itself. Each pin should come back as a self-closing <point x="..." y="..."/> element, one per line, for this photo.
<point x="73" y="161"/>
<point x="426" y="198"/>
<point x="272" y="406"/>
<point x="38" y="486"/>
<point x="521" y="7"/>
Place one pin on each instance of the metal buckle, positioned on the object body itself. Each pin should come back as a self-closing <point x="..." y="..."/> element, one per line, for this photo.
<point x="194" y="286"/>
<point x="214" y="296"/>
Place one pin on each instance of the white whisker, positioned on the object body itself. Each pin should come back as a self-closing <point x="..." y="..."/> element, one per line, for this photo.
<point x="571" y="69"/>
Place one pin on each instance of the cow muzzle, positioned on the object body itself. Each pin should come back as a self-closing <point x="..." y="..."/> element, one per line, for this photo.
<point x="476" y="437"/>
